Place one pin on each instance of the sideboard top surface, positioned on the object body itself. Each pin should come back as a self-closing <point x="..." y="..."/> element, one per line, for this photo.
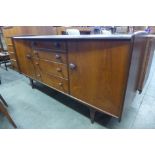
<point x="78" y="37"/>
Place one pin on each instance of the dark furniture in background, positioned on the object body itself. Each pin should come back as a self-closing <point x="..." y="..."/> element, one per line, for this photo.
<point x="4" y="58"/>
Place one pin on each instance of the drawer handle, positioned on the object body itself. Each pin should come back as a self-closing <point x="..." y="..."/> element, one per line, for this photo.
<point x="57" y="56"/>
<point x="28" y="56"/>
<point x="37" y="63"/>
<point x="36" y="53"/>
<point x="38" y="75"/>
<point x="59" y="69"/>
<point x="72" y="66"/>
<point x="60" y="84"/>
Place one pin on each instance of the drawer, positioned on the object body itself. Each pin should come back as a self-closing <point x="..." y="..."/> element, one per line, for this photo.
<point x="58" y="83"/>
<point x="54" y="45"/>
<point x="10" y="48"/>
<point x="8" y="41"/>
<point x="14" y="64"/>
<point x="54" y="68"/>
<point x="12" y="55"/>
<point x="50" y="55"/>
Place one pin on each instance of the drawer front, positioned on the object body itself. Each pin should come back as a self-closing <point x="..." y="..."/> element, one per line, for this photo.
<point x="12" y="55"/>
<point x="10" y="49"/>
<point x="51" y="68"/>
<point x="55" y="82"/>
<point x="54" y="45"/>
<point x="50" y="55"/>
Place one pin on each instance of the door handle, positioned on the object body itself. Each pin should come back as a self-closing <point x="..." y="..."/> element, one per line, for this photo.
<point x="28" y="56"/>
<point x="72" y="66"/>
<point x="57" y="56"/>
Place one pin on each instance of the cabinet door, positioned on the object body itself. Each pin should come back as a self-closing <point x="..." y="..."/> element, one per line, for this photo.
<point x="24" y="57"/>
<point x="98" y="73"/>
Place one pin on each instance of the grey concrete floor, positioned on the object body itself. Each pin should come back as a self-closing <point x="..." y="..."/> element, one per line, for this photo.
<point x="44" y="108"/>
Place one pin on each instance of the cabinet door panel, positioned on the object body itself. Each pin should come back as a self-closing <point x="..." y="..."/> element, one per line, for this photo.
<point x="98" y="73"/>
<point x="24" y="57"/>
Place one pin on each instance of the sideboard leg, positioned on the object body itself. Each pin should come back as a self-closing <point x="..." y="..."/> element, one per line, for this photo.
<point x="92" y="114"/>
<point x="140" y="91"/>
<point x="119" y="119"/>
<point x="5" y="66"/>
<point x="31" y="83"/>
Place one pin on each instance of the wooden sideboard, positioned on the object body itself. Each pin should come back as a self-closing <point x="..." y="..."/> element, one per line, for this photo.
<point x="100" y="71"/>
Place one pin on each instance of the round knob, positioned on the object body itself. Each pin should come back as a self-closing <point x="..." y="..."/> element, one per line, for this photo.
<point x="61" y="84"/>
<point x="38" y="75"/>
<point x="59" y="70"/>
<point x="57" y="56"/>
<point x="72" y="66"/>
<point x="28" y="56"/>
<point x="36" y="53"/>
<point x="37" y="63"/>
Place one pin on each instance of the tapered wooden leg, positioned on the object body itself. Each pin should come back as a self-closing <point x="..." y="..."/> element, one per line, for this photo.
<point x="2" y="99"/>
<point x="31" y="83"/>
<point x="5" y="66"/>
<point x="140" y="91"/>
<point x="119" y="119"/>
<point x="92" y="114"/>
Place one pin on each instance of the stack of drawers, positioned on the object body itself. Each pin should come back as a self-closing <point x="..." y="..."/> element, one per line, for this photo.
<point x="50" y="63"/>
<point x="8" y="33"/>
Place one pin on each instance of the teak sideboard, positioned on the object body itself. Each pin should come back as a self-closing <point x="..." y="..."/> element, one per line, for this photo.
<point x="100" y="71"/>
